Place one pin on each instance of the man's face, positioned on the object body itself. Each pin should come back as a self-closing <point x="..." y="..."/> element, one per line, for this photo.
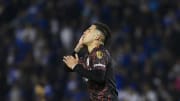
<point x="89" y="34"/>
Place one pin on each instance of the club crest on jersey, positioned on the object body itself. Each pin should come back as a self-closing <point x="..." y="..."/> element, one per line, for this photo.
<point x="99" y="54"/>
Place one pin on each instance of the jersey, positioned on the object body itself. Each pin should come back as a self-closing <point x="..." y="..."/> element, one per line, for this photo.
<point x="96" y="68"/>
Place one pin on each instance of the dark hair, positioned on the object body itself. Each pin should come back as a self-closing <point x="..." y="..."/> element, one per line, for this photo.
<point x="104" y="29"/>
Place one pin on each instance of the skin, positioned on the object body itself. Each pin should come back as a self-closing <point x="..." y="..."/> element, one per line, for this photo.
<point x="90" y="38"/>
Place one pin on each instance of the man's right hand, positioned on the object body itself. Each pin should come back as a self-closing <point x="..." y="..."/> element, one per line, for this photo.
<point x="80" y="45"/>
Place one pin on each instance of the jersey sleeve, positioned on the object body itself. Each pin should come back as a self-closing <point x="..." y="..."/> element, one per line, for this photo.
<point x="97" y="68"/>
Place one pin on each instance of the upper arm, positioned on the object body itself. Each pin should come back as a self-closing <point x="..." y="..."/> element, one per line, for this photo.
<point x="100" y="61"/>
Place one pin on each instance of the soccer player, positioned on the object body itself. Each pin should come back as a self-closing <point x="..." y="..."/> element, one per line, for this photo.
<point x="96" y="66"/>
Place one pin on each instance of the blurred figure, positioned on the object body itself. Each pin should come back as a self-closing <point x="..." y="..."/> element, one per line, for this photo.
<point x="40" y="93"/>
<point x="66" y="37"/>
<point x="129" y="94"/>
<point x="15" y="93"/>
<point x="28" y="33"/>
<point x="149" y="94"/>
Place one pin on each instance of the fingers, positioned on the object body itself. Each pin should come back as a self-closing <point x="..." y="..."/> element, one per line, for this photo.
<point x="67" y="58"/>
<point x="64" y="61"/>
<point x="70" y="61"/>
<point x="76" y="56"/>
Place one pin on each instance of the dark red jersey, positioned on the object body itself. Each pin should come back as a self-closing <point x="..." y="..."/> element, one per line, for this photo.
<point x="96" y="69"/>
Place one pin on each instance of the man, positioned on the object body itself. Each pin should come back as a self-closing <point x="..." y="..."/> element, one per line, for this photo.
<point x="96" y="66"/>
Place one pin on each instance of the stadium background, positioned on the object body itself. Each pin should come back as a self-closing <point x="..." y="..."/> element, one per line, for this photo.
<point x="35" y="34"/>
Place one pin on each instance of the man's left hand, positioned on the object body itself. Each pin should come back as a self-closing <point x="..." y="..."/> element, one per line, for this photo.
<point x="71" y="61"/>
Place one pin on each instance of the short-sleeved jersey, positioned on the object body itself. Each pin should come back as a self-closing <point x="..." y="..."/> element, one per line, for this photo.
<point x="97" y="70"/>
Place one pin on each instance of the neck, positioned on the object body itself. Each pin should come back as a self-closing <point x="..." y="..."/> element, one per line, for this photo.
<point x="92" y="46"/>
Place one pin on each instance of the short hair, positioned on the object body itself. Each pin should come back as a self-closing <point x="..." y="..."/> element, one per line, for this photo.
<point x="104" y="29"/>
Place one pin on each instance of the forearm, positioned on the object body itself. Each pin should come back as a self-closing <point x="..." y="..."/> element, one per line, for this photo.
<point x="95" y="75"/>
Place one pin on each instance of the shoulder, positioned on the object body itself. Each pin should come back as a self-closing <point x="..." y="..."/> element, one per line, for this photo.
<point x="102" y="53"/>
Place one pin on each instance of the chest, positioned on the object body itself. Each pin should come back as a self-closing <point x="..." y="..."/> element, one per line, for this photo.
<point x="88" y="62"/>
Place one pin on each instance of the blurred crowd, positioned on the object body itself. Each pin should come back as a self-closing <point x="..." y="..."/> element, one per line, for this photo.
<point x="36" y="34"/>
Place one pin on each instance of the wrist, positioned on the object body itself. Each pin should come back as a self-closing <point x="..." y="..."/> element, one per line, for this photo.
<point x="77" y="48"/>
<point x="73" y="66"/>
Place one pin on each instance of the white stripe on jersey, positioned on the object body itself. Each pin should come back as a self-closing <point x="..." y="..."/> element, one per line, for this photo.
<point x="101" y="65"/>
